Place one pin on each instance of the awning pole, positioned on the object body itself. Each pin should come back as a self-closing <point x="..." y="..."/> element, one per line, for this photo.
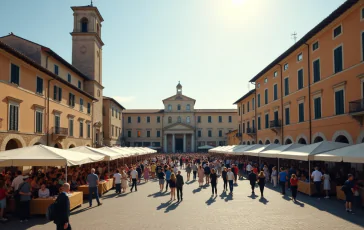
<point x="309" y="173"/>
<point x="66" y="174"/>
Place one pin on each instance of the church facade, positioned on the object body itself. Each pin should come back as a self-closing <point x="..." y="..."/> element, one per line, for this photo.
<point x="179" y="126"/>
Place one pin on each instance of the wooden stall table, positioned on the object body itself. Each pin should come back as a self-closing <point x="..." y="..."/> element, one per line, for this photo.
<point x="304" y="187"/>
<point x="340" y="195"/>
<point x="104" y="186"/>
<point x="361" y="192"/>
<point x="39" y="206"/>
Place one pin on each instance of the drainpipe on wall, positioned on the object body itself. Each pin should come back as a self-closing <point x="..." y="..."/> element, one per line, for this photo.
<point x="282" y="131"/>
<point x="241" y="123"/>
<point x="309" y="92"/>
<point x="92" y="125"/>
<point x="49" y="81"/>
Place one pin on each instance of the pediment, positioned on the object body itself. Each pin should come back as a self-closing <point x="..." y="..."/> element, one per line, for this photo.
<point x="179" y="126"/>
<point x="179" y="97"/>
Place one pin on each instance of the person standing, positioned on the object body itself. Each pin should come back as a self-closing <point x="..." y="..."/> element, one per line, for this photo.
<point x="207" y="171"/>
<point x="224" y="177"/>
<point x="282" y="177"/>
<point x="179" y="186"/>
<point x="161" y="179"/>
<point x="93" y="183"/>
<point x="201" y="174"/>
<point x="172" y="184"/>
<point x="274" y="176"/>
<point x="139" y="171"/>
<point x="253" y="180"/>
<point x="124" y="180"/>
<point x="261" y="183"/>
<point x="3" y="194"/>
<point x="230" y="178"/>
<point x="327" y="184"/>
<point x="134" y="177"/>
<point x="168" y="177"/>
<point x="235" y="170"/>
<point x="248" y="168"/>
<point x="188" y="170"/>
<point x="15" y="185"/>
<point x="194" y="169"/>
<point x="294" y="186"/>
<point x="146" y="173"/>
<point x="348" y="189"/>
<point x="213" y="180"/>
<point x="317" y="178"/>
<point x="117" y="181"/>
<point x="62" y="209"/>
<point x="25" y="197"/>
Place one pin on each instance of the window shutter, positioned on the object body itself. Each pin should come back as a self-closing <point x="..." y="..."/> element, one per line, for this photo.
<point x="70" y="99"/>
<point x="16" y="114"/>
<point x="55" y="93"/>
<point x="59" y="94"/>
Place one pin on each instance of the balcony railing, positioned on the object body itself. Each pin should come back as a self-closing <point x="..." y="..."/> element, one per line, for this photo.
<point x="275" y="124"/>
<point x="60" y="131"/>
<point x="250" y="130"/>
<point x="356" y="106"/>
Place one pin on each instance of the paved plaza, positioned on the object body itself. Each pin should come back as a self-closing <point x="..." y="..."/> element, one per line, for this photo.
<point x="149" y="209"/>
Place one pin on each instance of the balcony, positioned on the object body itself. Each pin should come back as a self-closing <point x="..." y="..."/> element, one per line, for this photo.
<point x="251" y="131"/>
<point x="59" y="132"/>
<point x="275" y="125"/>
<point x="356" y="110"/>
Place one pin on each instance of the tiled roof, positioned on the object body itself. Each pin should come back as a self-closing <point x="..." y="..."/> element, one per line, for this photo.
<point x="113" y="100"/>
<point x="131" y="111"/>
<point x="245" y="96"/>
<point x="215" y="110"/>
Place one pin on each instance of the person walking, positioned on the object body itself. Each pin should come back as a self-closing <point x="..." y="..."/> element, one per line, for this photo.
<point x="188" y="170"/>
<point x="3" y="194"/>
<point x="146" y="173"/>
<point x="194" y="169"/>
<point x="161" y="179"/>
<point x="117" y="181"/>
<point x="348" y="189"/>
<point x="25" y="197"/>
<point x="327" y="184"/>
<point x="201" y="174"/>
<point x="266" y="173"/>
<point x="207" y="171"/>
<point x="317" y="178"/>
<point x="249" y="168"/>
<point x="253" y="180"/>
<point x="294" y="186"/>
<point x="282" y="177"/>
<point x="62" y="209"/>
<point x="168" y="177"/>
<point x="93" y="183"/>
<point x="261" y="183"/>
<point x="124" y="181"/>
<point x="213" y="180"/>
<point x="179" y="186"/>
<point x="230" y="178"/>
<point x="134" y="177"/>
<point x="172" y="184"/>
<point x="224" y="177"/>
<point x="274" y="176"/>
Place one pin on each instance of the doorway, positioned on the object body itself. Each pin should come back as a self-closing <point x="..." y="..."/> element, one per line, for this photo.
<point x="179" y="145"/>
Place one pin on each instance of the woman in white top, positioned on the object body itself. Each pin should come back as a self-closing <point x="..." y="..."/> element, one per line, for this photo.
<point x="274" y="176"/>
<point x="43" y="192"/>
<point x="327" y="184"/>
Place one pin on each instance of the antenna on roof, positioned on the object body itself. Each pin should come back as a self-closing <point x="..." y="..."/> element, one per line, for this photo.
<point x="91" y="3"/>
<point x="294" y="36"/>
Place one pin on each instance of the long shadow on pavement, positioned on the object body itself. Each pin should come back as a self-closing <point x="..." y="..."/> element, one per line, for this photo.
<point x="158" y="194"/>
<point x="211" y="200"/>
<point x="172" y="207"/>
<point x="229" y="198"/>
<point x="263" y="200"/>
<point x="197" y="190"/>
<point x="191" y="182"/>
<point x="164" y="205"/>
<point x="223" y="195"/>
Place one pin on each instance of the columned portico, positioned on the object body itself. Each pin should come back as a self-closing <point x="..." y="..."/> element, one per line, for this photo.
<point x="173" y="143"/>
<point x="184" y="143"/>
<point x="165" y="144"/>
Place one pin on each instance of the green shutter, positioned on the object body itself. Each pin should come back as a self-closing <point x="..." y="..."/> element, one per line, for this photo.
<point x="59" y="94"/>
<point x="338" y="59"/>
<point x="55" y="93"/>
<point x="316" y="71"/>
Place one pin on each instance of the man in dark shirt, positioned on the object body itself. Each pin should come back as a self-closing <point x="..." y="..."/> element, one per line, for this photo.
<point x="207" y="173"/>
<point x="224" y="177"/>
<point x="349" y="192"/>
<point x="253" y="180"/>
<point x="161" y="179"/>
<point x="62" y="209"/>
<point x="139" y="170"/>
<point x="179" y="185"/>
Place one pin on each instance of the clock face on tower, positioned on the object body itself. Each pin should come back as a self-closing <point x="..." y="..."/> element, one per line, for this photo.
<point x="83" y="49"/>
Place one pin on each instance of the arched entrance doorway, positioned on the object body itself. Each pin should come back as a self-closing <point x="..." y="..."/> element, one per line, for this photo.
<point x="318" y="139"/>
<point x="267" y="142"/>
<point x="302" y="141"/>
<point x="71" y="146"/>
<point x="276" y="141"/>
<point x="248" y="142"/>
<point x="260" y="142"/>
<point x="342" y="139"/>
<point x="13" y="144"/>
<point x="58" y="146"/>
<point x="288" y="141"/>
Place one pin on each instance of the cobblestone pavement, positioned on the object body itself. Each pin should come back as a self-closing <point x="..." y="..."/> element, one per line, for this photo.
<point x="148" y="209"/>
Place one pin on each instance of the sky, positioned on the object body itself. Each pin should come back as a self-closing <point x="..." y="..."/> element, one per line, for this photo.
<point x="214" y="47"/>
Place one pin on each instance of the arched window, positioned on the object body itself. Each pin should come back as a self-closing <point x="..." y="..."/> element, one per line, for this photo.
<point x="276" y="141"/>
<point x="179" y="119"/>
<point x="188" y="119"/>
<point x="169" y="107"/>
<point x="260" y="142"/>
<point x="84" y="25"/>
<point x="342" y="139"/>
<point x="178" y="107"/>
<point x="188" y="107"/>
<point x="169" y="120"/>
<point x="318" y="139"/>
<point x="302" y="141"/>
<point x="248" y="143"/>
<point x="253" y="142"/>
<point x="288" y="141"/>
<point x="267" y="142"/>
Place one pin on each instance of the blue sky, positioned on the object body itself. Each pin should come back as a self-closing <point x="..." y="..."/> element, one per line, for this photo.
<point x="214" y="47"/>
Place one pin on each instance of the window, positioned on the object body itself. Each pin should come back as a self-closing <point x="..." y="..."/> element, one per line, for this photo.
<point x="253" y="103"/>
<point x="199" y="119"/>
<point x="57" y="122"/>
<point x="199" y="133"/>
<point x="88" y="130"/>
<point x="209" y="133"/>
<point x="84" y="23"/>
<point x="286" y="110"/>
<point x="301" y="112"/>
<point x="119" y="115"/>
<point x="158" y="119"/>
<point x="148" y="133"/>
<point x="362" y="13"/>
<point x="39" y="85"/>
<point x="81" y="128"/>
<point x="220" y="133"/>
<point x="129" y="120"/>
<point x="71" y="100"/>
<point x="317" y="107"/>
<point x="79" y="84"/>
<point x="258" y="100"/>
<point x="266" y="121"/>
<point x="15" y="74"/>
<point x="300" y="79"/>
<point x="116" y="113"/>
<point x="169" y="107"/>
<point x="230" y="119"/>
<point x="220" y="119"/>
<point x="248" y="107"/>
<point x="209" y="119"/>
<point x="188" y="107"/>
<point x="243" y="108"/>
<point x="259" y="127"/>
<point x="188" y="120"/>
<point x="337" y="31"/>
<point x="338" y="59"/>
<point x="315" y="46"/>
<point x="179" y="119"/>
<point x="112" y="111"/>
<point x="239" y="110"/>
<point x="265" y="80"/>
<point x="70" y="127"/>
<point x="275" y="92"/>
<point x="286" y="86"/>
<point x="138" y="119"/>
<point x="112" y="130"/>
<point x="69" y="78"/>
<point x="339" y="102"/>
<point x="266" y="96"/>
<point x="243" y="127"/>
<point x="178" y="107"/>
<point x="316" y="71"/>
<point x="129" y="133"/>
<point x="56" y="70"/>
<point x="88" y="108"/>
<point x="81" y="104"/>
<point x="38" y="121"/>
<point x="169" y="120"/>
<point x="158" y="133"/>
<point x="258" y="86"/>
<point x="148" y="119"/>
<point x="275" y="74"/>
<point x="362" y="44"/>
<point x="299" y="57"/>
<point x="285" y="67"/>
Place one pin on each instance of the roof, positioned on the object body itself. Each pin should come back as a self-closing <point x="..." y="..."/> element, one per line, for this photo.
<point x="179" y="95"/>
<point x="31" y="62"/>
<point x="54" y="55"/>
<point x="333" y="16"/>
<point x="215" y="110"/>
<point x="113" y="100"/>
<point x="131" y="111"/>
<point x="88" y="7"/>
<point x="245" y="96"/>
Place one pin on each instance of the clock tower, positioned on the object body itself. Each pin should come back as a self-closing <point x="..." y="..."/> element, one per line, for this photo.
<point x="87" y="57"/>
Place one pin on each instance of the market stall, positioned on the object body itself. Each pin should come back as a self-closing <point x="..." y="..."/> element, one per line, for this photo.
<point x="103" y="187"/>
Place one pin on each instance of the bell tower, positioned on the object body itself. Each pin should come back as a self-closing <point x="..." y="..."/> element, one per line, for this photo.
<point x="179" y="88"/>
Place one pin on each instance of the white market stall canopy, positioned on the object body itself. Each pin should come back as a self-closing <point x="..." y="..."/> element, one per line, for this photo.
<point x="272" y="153"/>
<point x="40" y="155"/>
<point x="124" y="151"/>
<point x="205" y="147"/>
<point x="349" y="154"/>
<point x="257" y="149"/>
<point x="225" y="149"/>
<point x="306" y="152"/>
<point x="214" y="150"/>
<point x="109" y="156"/>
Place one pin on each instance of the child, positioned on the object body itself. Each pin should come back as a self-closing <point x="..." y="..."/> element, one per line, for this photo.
<point x="3" y="193"/>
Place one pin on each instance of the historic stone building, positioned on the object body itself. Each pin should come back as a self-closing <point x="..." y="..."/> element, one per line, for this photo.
<point x="179" y="127"/>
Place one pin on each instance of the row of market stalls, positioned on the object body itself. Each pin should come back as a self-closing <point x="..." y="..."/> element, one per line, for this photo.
<point x="325" y="152"/>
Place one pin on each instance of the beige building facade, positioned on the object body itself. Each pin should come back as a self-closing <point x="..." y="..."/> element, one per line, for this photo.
<point x="179" y="127"/>
<point x="112" y="122"/>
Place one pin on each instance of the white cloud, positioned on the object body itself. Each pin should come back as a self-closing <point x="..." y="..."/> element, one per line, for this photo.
<point x="124" y="99"/>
